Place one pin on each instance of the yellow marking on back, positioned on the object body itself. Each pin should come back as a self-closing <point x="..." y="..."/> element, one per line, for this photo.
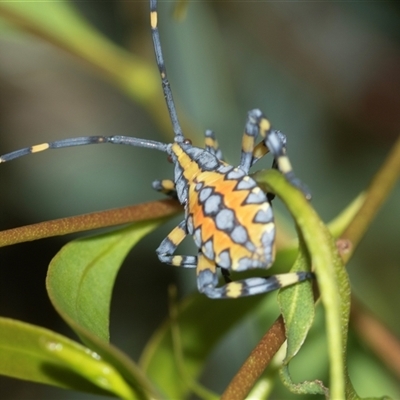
<point x="204" y="264"/>
<point x="256" y="190"/>
<point x="234" y="289"/>
<point x="264" y="206"/>
<point x="190" y="168"/>
<point x="39" y="147"/>
<point x="284" y="164"/>
<point x="153" y="19"/>
<point x="269" y="227"/>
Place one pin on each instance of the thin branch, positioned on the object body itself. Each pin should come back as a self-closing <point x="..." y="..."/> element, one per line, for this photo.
<point x="378" y="337"/>
<point x="256" y="363"/>
<point x="86" y="222"/>
<point x="377" y="192"/>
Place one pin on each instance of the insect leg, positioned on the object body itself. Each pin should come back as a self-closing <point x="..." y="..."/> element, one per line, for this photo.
<point x="226" y="275"/>
<point x="169" y="245"/>
<point x="207" y="282"/>
<point x="261" y="150"/>
<point x="251" y="131"/>
<point x="256" y="124"/>
<point x="212" y="144"/>
<point x="166" y="186"/>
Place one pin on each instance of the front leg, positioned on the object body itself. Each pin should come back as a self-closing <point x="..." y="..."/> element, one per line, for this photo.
<point x="275" y="141"/>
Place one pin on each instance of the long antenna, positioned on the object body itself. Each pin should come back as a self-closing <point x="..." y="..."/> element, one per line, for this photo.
<point x="85" y="140"/>
<point x="163" y="72"/>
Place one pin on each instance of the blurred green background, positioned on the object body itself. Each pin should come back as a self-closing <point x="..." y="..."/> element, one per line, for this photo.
<point x="326" y="73"/>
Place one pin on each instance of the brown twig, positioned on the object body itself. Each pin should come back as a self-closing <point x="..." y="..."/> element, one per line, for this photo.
<point x="256" y="363"/>
<point x="378" y="337"/>
<point x="81" y="223"/>
<point x="377" y="192"/>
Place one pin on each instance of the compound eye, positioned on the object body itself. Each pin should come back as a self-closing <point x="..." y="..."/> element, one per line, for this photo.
<point x="187" y="141"/>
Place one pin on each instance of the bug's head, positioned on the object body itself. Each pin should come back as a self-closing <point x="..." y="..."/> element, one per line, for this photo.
<point x="182" y="142"/>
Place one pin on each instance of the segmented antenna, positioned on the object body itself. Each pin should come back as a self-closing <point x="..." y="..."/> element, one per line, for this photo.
<point x="163" y="73"/>
<point x="85" y="140"/>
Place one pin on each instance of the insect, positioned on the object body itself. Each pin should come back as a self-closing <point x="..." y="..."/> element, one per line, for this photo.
<point x="229" y="217"/>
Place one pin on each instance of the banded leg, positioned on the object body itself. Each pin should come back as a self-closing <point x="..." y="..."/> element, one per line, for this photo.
<point x="207" y="282"/>
<point x="212" y="144"/>
<point x="169" y="245"/>
<point x="275" y="141"/>
<point x="166" y="186"/>
<point x="261" y="150"/>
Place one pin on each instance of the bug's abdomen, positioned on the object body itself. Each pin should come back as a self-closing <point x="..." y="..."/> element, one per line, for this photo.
<point x="231" y="220"/>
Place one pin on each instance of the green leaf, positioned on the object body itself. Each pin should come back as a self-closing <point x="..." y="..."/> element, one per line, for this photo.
<point x="331" y="274"/>
<point x="297" y="306"/>
<point x="306" y="387"/>
<point x="298" y="311"/>
<point x="81" y="277"/>
<point x="40" y="355"/>
<point x="79" y="283"/>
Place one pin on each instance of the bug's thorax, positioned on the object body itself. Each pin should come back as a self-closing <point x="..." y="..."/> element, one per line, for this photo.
<point x="190" y="162"/>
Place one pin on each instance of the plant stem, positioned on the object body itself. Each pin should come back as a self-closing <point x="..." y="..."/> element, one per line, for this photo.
<point x="377" y="192"/>
<point x="86" y="222"/>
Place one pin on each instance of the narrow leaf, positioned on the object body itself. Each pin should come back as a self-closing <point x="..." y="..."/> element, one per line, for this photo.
<point x="331" y="274"/>
<point x="297" y="306"/>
